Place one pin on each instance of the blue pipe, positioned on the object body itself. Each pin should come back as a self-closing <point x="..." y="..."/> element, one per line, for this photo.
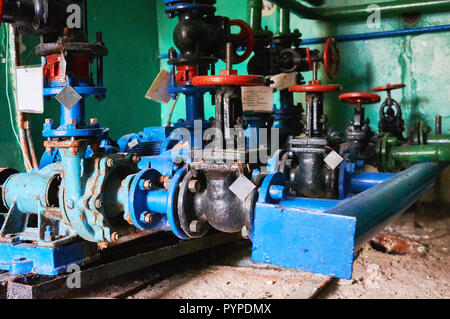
<point x="363" y="181"/>
<point x="375" y="207"/>
<point x="378" y="35"/>
<point x="157" y="201"/>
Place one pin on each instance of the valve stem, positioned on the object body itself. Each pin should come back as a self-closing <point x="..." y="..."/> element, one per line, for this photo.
<point x="229" y="56"/>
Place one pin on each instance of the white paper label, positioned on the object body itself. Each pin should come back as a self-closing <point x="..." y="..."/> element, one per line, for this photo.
<point x="257" y="98"/>
<point x="242" y="187"/>
<point x="133" y="143"/>
<point x="30" y="86"/>
<point x="283" y="81"/>
<point x="159" y="90"/>
<point x="333" y="160"/>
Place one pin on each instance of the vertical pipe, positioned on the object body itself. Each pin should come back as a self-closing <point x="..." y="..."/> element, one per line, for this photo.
<point x="194" y="107"/>
<point x="256" y="7"/>
<point x="283" y="20"/>
<point x="438" y="128"/>
<point x="77" y="112"/>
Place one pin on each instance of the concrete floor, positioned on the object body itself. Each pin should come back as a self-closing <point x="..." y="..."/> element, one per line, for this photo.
<point x="229" y="273"/>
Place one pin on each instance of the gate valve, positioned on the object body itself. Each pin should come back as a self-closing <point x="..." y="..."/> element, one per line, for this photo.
<point x="391" y="120"/>
<point x="359" y="99"/>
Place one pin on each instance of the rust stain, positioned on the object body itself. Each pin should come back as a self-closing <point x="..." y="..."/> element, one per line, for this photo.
<point x="394" y="244"/>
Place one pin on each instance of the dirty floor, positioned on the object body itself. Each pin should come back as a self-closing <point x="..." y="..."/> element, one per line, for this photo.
<point x="413" y="262"/>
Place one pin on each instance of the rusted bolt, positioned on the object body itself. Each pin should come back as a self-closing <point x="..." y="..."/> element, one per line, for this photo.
<point x="72" y="122"/>
<point x="194" y="186"/>
<point x="135" y="158"/>
<point x="115" y="236"/>
<point x="244" y="232"/>
<point x="93" y="121"/>
<point x="110" y="162"/>
<point x="148" y="218"/>
<point x="195" y="226"/>
<point x="98" y="203"/>
<point x="48" y="121"/>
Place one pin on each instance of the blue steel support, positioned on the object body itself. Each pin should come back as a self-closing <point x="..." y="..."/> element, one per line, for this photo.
<point x="325" y="241"/>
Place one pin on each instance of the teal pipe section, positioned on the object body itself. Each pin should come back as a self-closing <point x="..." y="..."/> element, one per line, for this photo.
<point x="358" y="12"/>
<point x="73" y="191"/>
<point x="375" y="208"/>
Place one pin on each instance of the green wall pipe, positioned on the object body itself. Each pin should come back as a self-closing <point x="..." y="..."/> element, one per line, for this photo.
<point x="255" y="10"/>
<point x="283" y="21"/>
<point x="358" y="12"/>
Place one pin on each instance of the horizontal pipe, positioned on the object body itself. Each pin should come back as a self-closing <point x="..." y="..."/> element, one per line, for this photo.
<point x="362" y="11"/>
<point x="422" y="153"/>
<point x="379" y="35"/>
<point x="363" y="181"/>
<point x="374" y="208"/>
<point x="368" y="36"/>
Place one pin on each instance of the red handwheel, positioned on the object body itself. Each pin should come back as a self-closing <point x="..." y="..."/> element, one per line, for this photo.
<point x="388" y="87"/>
<point x="245" y="38"/>
<point x="229" y="78"/>
<point x="331" y="58"/>
<point x="316" y="86"/>
<point x="359" y="98"/>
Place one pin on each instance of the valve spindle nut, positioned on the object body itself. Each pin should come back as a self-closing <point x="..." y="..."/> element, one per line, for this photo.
<point x="195" y="226"/>
<point x="194" y="186"/>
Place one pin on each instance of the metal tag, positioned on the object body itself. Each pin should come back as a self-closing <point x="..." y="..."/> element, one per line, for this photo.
<point x="242" y="187"/>
<point x="283" y="81"/>
<point x="133" y="143"/>
<point x="333" y="160"/>
<point x="68" y="97"/>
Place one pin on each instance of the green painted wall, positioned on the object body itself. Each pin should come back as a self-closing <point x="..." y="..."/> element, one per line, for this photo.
<point x="130" y="33"/>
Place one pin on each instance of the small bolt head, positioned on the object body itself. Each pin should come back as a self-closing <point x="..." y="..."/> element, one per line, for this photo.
<point x="72" y="122"/>
<point x="195" y="226"/>
<point x="93" y="121"/>
<point x="147" y="184"/>
<point x="48" y="121"/>
<point x="115" y="236"/>
<point x="70" y="204"/>
<point x="98" y="203"/>
<point x="148" y="218"/>
<point x="194" y="186"/>
<point x="110" y="162"/>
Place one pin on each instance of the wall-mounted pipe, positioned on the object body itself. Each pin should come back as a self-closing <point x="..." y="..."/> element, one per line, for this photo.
<point x="379" y="35"/>
<point x="358" y="12"/>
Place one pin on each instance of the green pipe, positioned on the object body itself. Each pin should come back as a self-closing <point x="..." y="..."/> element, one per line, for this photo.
<point x="255" y="8"/>
<point x="359" y="12"/>
<point x="283" y="21"/>
<point x="421" y="153"/>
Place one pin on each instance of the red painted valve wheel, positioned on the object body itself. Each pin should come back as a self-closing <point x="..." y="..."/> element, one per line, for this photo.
<point x="388" y="87"/>
<point x="359" y="98"/>
<point x="331" y="58"/>
<point x="229" y="78"/>
<point x="245" y="38"/>
<point x="316" y="86"/>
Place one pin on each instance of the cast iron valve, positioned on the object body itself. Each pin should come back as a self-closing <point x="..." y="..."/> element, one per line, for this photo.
<point x="315" y="118"/>
<point x="391" y="120"/>
<point x="359" y="134"/>
<point x="38" y="16"/>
